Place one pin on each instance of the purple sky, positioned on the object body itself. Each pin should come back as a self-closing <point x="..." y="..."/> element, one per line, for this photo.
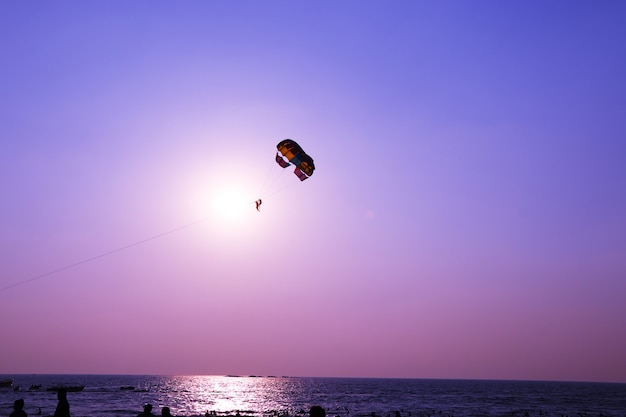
<point x="467" y="218"/>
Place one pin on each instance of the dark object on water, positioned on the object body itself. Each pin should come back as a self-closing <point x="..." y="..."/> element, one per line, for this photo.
<point x="18" y="409"/>
<point x="35" y="387"/>
<point x="6" y="383"/>
<point x="317" y="411"/>
<point x="147" y="411"/>
<point x="69" y="388"/>
<point x="127" y="388"/>
<point x="63" y="407"/>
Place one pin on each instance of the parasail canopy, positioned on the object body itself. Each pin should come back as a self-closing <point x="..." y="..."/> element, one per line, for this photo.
<point x="290" y="150"/>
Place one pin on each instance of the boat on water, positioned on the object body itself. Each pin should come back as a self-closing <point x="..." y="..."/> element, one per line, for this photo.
<point x="6" y="383"/>
<point x="67" y="388"/>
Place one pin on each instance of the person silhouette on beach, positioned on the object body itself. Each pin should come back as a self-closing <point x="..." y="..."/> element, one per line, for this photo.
<point x="18" y="409"/>
<point x="147" y="411"/>
<point x="317" y="411"/>
<point x="165" y="412"/>
<point x="63" y="407"/>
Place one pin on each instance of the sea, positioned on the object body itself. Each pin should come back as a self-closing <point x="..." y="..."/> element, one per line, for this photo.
<point x="255" y="396"/>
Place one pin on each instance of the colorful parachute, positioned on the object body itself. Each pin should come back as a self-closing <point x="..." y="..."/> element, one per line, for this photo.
<point x="290" y="150"/>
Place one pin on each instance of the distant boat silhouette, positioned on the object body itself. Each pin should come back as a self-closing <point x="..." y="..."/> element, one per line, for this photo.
<point x="67" y="388"/>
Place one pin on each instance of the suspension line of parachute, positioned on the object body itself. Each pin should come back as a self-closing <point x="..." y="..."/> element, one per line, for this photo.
<point x="288" y="153"/>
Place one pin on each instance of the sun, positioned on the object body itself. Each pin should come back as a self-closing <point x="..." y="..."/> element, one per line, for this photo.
<point x="230" y="204"/>
<point x="224" y="200"/>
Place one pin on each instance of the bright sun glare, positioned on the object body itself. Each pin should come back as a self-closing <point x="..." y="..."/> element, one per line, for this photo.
<point x="230" y="204"/>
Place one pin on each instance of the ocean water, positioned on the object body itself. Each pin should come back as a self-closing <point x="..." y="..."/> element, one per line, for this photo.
<point x="342" y="397"/>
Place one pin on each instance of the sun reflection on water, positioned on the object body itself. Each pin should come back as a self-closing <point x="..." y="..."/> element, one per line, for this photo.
<point x="231" y="395"/>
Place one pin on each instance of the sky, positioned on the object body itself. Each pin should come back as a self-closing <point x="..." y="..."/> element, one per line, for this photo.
<point x="466" y="218"/>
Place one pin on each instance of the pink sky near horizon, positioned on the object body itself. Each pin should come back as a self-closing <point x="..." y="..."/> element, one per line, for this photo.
<point x="466" y="219"/>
